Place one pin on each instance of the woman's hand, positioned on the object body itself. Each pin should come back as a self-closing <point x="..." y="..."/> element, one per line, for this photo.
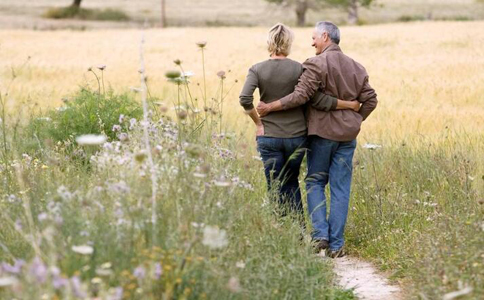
<point x="355" y="105"/>
<point x="260" y="130"/>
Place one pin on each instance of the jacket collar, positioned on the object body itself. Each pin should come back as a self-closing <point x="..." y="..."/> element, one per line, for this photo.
<point x="332" y="47"/>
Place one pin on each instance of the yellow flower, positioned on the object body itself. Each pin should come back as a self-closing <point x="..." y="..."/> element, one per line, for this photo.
<point x="44" y="167"/>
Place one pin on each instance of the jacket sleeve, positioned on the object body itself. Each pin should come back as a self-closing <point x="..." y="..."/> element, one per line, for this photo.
<point x="368" y="99"/>
<point x="323" y="102"/>
<point x="308" y="84"/>
<point x="246" y="97"/>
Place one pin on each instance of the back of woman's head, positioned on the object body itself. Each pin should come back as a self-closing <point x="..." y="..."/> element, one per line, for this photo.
<point x="279" y="40"/>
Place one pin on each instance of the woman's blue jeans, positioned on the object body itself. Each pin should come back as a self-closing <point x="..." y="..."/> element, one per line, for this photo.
<point x="329" y="161"/>
<point x="282" y="159"/>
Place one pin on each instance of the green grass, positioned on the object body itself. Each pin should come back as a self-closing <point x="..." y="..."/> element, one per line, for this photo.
<point x="51" y="204"/>
<point x="417" y="212"/>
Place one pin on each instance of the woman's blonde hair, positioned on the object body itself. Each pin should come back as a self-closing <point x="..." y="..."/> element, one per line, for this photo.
<point x="279" y="40"/>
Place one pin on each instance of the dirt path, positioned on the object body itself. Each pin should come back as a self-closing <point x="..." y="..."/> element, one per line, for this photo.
<point x="366" y="281"/>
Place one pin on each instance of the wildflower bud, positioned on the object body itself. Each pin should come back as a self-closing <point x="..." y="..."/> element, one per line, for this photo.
<point x="177" y="62"/>
<point x="182" y="114"/>
<point x="140" y="156"/>
<point x="202" y="44"/>
<point x="172" y="74"/>
<point x="236" y="80"/>
<point x="221" y="74"/>
<point x="101" y="67"/>
<point x="205" y="108"/>
<point x="89" y="69"/>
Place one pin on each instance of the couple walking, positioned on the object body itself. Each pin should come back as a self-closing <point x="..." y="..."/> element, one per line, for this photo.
<point x="302" y="108"/>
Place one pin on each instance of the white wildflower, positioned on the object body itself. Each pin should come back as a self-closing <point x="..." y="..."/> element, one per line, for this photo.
<point x="221" y="183"/>
<point x="257" y="157"/>
<point x="240" y="264"/>
<point x="91" y="139"/>
<point x="83" y="249"/>
<point x="214" y="237"/>
<point x="234" y="285"/>
<point x="371" y="146"/>
<point x="6" y="281"/>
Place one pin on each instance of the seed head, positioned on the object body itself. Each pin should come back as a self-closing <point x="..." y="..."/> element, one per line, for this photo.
<point x="182" y="114"/>
<point x="172" y="74"/>
<point x="202" y="44"/>
<point x="177" y="62"/>
<point x="221" y="74"/>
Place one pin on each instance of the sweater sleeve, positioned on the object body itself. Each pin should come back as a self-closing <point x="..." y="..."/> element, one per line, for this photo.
<point x="308" y="84"/>
<point x="323" y="102"/>
<point x="246" y="97"/>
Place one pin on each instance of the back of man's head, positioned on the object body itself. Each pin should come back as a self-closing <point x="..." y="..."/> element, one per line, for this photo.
<point x="331" y="29"/>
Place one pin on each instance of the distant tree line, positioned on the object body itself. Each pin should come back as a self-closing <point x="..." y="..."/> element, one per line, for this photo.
<point x="301" y="7"/>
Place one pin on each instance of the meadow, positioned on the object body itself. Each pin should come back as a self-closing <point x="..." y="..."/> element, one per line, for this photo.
<point x="417" y="203"/>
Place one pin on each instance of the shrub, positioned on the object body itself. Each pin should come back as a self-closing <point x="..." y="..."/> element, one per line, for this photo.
<point x="72" y="12"/>
<point x="87" y="112"/>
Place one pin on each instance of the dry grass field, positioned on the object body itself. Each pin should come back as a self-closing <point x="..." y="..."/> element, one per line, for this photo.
<point x="428" y="76"/>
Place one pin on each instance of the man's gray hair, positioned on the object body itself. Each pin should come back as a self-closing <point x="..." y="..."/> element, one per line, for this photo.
<point x="331" y="29"/>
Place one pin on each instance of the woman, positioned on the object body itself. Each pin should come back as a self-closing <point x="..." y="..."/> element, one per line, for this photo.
<point x="281" y="136"/>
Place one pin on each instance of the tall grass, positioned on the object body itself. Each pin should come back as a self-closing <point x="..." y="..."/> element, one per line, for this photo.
<point x="70" y="231"/>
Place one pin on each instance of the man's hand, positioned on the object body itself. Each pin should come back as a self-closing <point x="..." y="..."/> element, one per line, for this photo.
<point x="260" y="130"/>
<point x="263" y="109"/>
<point x="355" y="105"/>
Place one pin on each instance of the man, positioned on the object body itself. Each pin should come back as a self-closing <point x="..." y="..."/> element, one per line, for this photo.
<point x="332" y="134"/>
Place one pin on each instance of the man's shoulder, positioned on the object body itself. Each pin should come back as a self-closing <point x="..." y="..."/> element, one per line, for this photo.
<point x="349" y="61"/>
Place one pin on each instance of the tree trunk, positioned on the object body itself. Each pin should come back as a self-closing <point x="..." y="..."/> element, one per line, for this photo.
<point x="301" y="9"/>
<point x="353" y="12"/>
<point x="163" y="14"/>
<point x="77" y="3"/>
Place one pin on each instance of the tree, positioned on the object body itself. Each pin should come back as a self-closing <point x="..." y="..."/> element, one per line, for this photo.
<point x="76" y="3"/>
<point x="351" y="6"/>
<point x="300" y="7"/>
<point x="163" y="14"/>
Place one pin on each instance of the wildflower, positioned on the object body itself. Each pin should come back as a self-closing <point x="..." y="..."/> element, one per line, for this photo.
<point x="77" y="288"/>
<point x="140" y="156"/>
<point x="42" y="217"/>
<point x="116" y="128"/>
<point x="123" y="137"/>
<point x="187" y="74"/>
<point x="121" y="118"/>
<point x="101" y="67"/>
<point x="177" y="62"/>
<point x="83" y="249"/>
<point x="6" y="281"/>
<point x="221" y="183"/>
<point x="91" y="139"/>
<point x="16" y="268"/>
<point x="38" y="270"/>
<point x="132" y="123"/>
<point x="202" y="44"/>
<point x="371" y="146"/>
<point x="173" y="74"/>
<point x="158" y="271"/>
<point x="234" y="285"/>
<point x="89" y="69"/>
<point x="182" y="114"/>
<point x="221" y="74"/>
<point x="199" y="175"/>
<point x="240" y="264"/>
<point x="214" y="237"/>
<point x="139" y="272"/>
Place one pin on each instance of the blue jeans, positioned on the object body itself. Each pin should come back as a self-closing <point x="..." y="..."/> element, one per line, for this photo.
<point x="282" y="159"/>
<point x="329" y="161"/>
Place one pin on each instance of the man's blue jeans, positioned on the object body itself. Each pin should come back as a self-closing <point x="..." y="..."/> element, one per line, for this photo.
<point x="282" y="159"/>
<point x="329" y="161"/>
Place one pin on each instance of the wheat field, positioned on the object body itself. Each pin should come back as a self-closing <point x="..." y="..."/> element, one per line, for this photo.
<point x="428" y="75"/>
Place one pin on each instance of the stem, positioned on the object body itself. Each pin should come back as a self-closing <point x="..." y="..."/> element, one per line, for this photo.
<point x="154" y="186"/>
<point x="102" y="78"/>
<point x="221" y="102"/>
<point x="204" y="85"/>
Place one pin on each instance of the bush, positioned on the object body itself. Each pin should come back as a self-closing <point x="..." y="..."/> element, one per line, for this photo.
<point x="72" y="12"/>
<point x="88" y="112"/>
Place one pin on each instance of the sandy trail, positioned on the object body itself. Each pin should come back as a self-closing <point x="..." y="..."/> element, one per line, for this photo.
<point x="364" y="279"/>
